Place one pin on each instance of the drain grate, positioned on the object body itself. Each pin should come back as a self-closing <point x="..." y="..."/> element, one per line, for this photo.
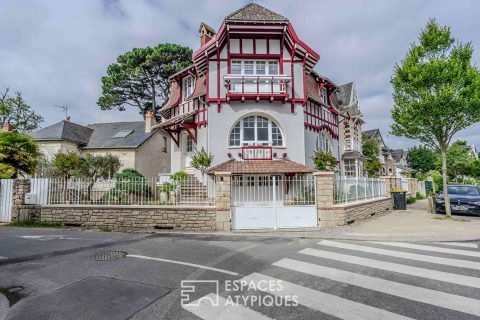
<point x="109" y="255"/>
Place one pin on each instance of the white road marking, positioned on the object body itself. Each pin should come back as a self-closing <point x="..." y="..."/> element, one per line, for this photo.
<point x="203" y="308"/>
<point x="324" y="302"/>
<point x="183" y="263"/>
<point x="433" y="297"/>
<point x="396" y="267"/>
<point x="404" y="255"/>
<point x="431" y="248"/>
<point x="461" y="244"/>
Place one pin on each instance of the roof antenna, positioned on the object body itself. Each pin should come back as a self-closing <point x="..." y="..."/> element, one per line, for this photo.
<point x="65" y="108"/>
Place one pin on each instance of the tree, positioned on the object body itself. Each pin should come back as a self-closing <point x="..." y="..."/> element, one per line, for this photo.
<point x="422" y="159"/>
<point x="474" y="169"/>
<point x="19" y="151"/>
<point x="436" y="92"/>
<point x="15" y="111"/>
<point x="6" y="171"/>
<point x="371" y="150"/>
<point x="459" y="160"/>
<point x="140" y="77"/>
<point x="66" y="165"/>
<point x="324" y="161"/>
<point x="94" y="167"/>
<point x="202" y="160"/>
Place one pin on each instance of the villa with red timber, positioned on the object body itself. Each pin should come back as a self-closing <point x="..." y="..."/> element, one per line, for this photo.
<point x="251" y="96"/>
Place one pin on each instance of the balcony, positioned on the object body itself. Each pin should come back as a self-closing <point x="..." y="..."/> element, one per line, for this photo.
<point x="257" y="87"/>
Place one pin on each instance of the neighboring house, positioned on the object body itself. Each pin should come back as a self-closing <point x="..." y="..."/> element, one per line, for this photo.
<point x="251" y="96"/>
<point x="394" y="161"/>
<point x="135" y="143"/>
<point x="473" y="151"/>
<point x="351" y="164"/>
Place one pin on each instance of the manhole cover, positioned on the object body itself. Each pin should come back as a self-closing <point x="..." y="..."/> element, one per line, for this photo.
<point x="109" y="255"/>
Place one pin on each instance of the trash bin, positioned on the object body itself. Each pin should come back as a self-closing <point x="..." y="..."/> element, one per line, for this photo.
<point x="399" y="199"/>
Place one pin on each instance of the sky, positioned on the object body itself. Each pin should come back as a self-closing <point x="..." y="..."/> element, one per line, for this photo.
<point x="55" y="51"/>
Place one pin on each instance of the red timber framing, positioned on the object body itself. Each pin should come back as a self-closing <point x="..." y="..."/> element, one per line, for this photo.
<point x="318" y="117"/>
<point x="287" y="39"/>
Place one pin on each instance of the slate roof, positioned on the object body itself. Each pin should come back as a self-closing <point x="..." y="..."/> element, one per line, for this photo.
<point x="344" y="94"/>
<point x="372" y="133"/>
<point x="102" y="136"/>
<point x="97" y="135"/>
<point x="64" y="131"/>
<point x="255" y="12"/>
<point x="260" y="166"/>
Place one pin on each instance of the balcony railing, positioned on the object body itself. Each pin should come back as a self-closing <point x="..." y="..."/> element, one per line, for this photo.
<point x="257" y="86"/>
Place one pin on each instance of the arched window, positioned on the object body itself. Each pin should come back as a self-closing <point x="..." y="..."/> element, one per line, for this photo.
<point x="324" y="142"/>
<point x="255" y="131"/>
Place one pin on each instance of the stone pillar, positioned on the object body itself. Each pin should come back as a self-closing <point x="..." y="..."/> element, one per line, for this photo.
<point x="223" y="200"/>
<point x="392" y="183"/>
<point x="20" y="188"/>
<point x="327" y="213"/>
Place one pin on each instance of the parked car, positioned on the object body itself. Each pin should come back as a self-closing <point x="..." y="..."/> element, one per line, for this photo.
<point x="463" y="199"/>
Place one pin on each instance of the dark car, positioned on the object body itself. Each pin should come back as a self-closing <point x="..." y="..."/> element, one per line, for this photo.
<point x="464" y="199"/>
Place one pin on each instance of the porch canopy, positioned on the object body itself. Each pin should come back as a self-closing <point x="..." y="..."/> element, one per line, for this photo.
<point x="280" y="166"/>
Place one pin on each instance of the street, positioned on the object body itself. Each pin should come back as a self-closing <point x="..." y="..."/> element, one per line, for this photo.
<point x="63" y="274"/>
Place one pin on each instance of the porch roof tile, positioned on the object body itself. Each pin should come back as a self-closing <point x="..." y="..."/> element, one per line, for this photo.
<point x="260" y="167"/>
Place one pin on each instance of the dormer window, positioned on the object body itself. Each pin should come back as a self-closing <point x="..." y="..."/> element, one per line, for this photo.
<point x="323" y="95"/>
<point x="187" y="87"/>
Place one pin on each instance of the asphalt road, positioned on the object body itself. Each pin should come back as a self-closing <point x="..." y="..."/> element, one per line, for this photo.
<point x="61" y="274"/>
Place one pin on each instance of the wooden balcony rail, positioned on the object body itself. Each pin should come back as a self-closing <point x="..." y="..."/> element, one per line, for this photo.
<point x="257" y="85"/>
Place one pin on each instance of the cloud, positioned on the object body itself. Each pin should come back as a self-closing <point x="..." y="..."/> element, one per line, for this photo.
<point x="55" y="52"/>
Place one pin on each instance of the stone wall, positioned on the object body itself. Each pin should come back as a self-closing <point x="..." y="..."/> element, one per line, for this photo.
<point x="20" y="210"/>
<point x="130" y="218"/>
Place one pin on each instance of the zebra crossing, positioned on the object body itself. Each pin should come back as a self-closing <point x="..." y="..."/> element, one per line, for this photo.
<point x="362" y="280"/>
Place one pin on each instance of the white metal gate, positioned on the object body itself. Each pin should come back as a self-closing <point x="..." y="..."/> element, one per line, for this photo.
<point x="271" y="202"/>
<point x="6" y="188"/>
<point x="39" y="187"/>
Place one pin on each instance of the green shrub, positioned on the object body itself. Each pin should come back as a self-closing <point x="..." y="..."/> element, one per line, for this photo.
<point x="324" y="161"/>
<point x="166" y="187"/>
<point x="418" y="196"/>
<point x="132" y="182"/>
<point x="411" y="200"/>
<point x="179" y="176"/>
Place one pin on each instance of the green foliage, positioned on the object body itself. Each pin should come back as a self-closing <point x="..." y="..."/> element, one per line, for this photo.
<point x="372" y="167"/>
<point x="411" y="200"/>
<point x="459" y="160"/>
<point x="6" y="171"/>
<point x="179" y="176"/>
<point x="436" y="176"/>
<point x="422" y="159"/>
<point x="66" y="164"/>
<point x="202" y="160"/>
<point x="324" y="161"/>
<point x="166" y="187"/>
<point x="15" y="111"/>
<point x="140" y="77"/>
<point x="132" y="182"/>
<point x="18" y="151"/>
<point x="474" y="169"/>
<point x="436" y="91"/>
<point x="94" y="167"/>
<point x="35" y="224"/>
<point x="418" y="196"/>
<point x="371" y="150"/>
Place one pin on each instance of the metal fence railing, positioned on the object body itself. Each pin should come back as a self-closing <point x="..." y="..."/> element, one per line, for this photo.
<point x="141" y="191"/>
<point x="346" y="190"/>
<point x="272" y="190"/>
<point x="405" y="185"/>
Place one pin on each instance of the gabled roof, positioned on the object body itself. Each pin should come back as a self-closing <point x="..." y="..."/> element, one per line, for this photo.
<point x="103" y="135"/>
<point x="260" y="166"/>
<point x="64" y="131"/>
<point x="255" y="12"/>
<point x="372" y="133"/>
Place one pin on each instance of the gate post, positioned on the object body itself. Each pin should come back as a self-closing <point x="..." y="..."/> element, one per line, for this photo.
<point x="327" y="216"/>
<point x="223" y="200"/>
<point x="21" y="211"/>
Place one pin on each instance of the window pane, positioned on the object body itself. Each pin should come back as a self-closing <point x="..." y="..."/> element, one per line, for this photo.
<point x="236" y="67"/>
<point x="249" y="129"/>
<point x="262" y="129"/>
<point x="234" y="139"/>
<point x="249" y="67"/>
<point x="273" y="67"/>
<point x="260" y="67"/>
<point x="277" y="139"/>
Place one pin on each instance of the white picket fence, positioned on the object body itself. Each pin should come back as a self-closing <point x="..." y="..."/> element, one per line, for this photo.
<point x="6" y="188"/>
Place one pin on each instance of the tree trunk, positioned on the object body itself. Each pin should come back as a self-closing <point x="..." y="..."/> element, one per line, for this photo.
<point x="446" y="198"/>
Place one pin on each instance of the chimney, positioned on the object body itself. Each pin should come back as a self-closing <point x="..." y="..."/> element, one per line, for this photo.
<point x="206" y="33"/>
<point x="7" y="127"/>
<point x="149" y="122"/>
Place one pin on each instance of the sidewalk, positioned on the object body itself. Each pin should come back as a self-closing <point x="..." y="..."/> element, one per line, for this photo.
<point x="414" y="224"/>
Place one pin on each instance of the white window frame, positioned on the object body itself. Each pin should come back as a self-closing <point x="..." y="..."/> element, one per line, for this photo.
<point x="255" y="141"/>
<point x="265" y="62"/>
<point x="324" y="142"/>
<point x="188" y="144"/>
<point x="324" y="95"/>
<point x="188" y="86"/>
